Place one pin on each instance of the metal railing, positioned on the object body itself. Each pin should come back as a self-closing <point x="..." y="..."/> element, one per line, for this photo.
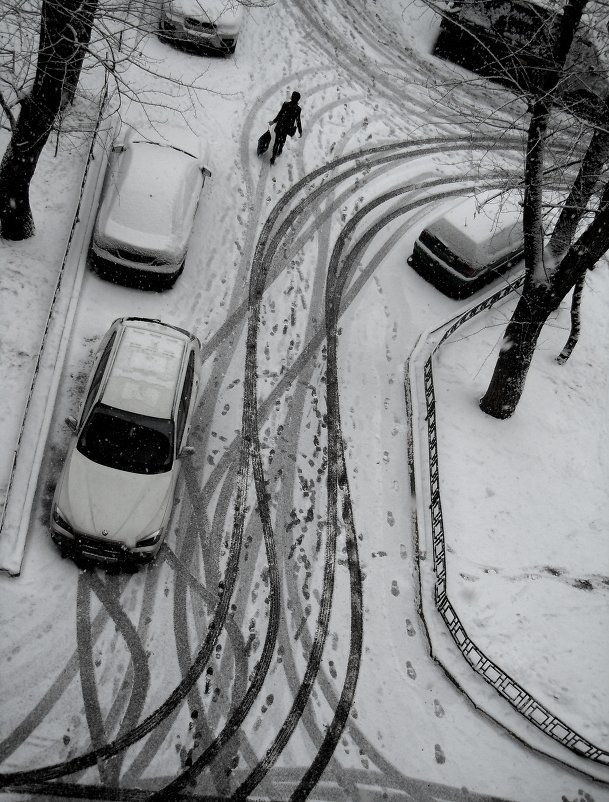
<point x="493" y="674"/>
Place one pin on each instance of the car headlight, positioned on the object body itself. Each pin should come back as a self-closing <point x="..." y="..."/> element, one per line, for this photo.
<point x="60" y="520"/>
<point x="150" y="540"/>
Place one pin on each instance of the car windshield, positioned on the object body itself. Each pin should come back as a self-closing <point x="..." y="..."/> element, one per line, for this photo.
<point x="126" y="441"/>
<point x="162" y="145"/>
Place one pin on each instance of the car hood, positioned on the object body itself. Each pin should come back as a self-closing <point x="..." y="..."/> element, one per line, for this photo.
<point x="128" y="506"/>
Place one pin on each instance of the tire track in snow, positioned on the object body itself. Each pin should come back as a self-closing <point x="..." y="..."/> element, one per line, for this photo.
<point x="250" y="451"/>
<point x="238" y="716"/>
<point x="295" y="415"/>
<point x="325" y="605"/>
<point x="323" y="683"/>
<point x="463" y="104"/>
<point x="179" y="693"/>
<point x="140" y="680"/>
<point x="245" y="149"/>
<point x="337" y="480"/>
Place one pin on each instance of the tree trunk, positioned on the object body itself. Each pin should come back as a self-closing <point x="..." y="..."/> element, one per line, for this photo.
<point x="16" y="170"/>
<point x="532" y="310"/>
<point x="82" y="26"/>
<point x="539" y="296"/>
<point x="575" y="321"/>
<point x="58" y="46"/>
<point x="579" y="285"/>
<point x="574" y="207"/>
<point x="517" y="349"/>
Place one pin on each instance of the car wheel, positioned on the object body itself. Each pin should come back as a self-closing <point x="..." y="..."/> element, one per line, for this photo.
<point x="169" y="282"/>
<point x="61" y="548"/>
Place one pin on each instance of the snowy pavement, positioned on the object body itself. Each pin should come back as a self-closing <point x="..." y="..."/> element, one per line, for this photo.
<point x="276" y="649"/>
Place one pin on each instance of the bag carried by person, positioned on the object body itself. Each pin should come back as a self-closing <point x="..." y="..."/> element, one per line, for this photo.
<point x="264" y="142"/>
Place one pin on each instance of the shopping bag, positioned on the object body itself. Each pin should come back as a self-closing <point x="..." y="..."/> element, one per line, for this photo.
<point x="263" y="143"/>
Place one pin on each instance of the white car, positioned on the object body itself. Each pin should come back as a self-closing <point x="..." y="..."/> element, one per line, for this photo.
<point x="149" y="201"/>
<point x="114" y="497"/>
<point x="213" y="24"/>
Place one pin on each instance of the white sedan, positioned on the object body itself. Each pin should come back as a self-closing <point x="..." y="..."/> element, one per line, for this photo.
<point x="208" y="24"/>
<point x="149" y="201"/>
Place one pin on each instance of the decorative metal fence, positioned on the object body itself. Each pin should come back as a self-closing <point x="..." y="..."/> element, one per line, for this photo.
<point x="515" y="694"/>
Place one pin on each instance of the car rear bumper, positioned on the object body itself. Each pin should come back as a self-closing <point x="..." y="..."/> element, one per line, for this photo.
<point x="110" y="256"/>
<point x="133" y="274"/>
<point x="449" y="281"/>
<point x="440" y="274"/>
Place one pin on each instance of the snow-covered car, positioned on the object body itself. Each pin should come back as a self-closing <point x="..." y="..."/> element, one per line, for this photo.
<point x="472" y="244"/>
<point x="151" y="192"/>
<point x="210" y="24"/>
<point x="114" y="497"/>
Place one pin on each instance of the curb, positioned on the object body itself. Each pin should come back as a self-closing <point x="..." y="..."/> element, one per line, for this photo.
<point x="487" y="686"/>
<point x="36" y="418"/>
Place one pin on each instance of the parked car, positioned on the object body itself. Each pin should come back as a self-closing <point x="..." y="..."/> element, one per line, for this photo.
<point x="513" y="43"/>
<point x="114" y="497"/>
<point x="209" y="24"/>
<point x="471" y="244"/>
<point x="149" y="201"/>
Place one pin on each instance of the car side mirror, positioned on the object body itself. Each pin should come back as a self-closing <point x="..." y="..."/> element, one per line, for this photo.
<point x="71" y="422"/>
<point x="187" y="451"/>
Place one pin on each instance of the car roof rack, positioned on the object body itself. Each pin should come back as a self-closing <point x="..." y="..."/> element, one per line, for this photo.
<point x="158" y="320"/>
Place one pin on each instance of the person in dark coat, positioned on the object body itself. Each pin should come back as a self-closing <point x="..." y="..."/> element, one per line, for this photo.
<point x="286" y="122"/>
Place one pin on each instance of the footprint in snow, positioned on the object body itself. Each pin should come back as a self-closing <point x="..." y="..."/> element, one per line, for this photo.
<point x="438" y="709"/>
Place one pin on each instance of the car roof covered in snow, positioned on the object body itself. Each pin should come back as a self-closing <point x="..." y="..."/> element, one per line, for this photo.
<point x="146" y="368"/>
<point x="230" y="11"/>
<point x="169" y="135"/>
<point x="482" y="225"/>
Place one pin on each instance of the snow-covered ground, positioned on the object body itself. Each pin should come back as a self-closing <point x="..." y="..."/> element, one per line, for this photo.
<point x="525" y="502"/>
<point x="316" y="676"/>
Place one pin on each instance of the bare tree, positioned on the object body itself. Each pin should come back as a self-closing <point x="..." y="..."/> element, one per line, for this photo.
<point x="550" y="76"/>
<point x="54" y="42"/>
<point x="587" y="179"/>
<point x="58" y="48"/>
<point x="547" y="279"/>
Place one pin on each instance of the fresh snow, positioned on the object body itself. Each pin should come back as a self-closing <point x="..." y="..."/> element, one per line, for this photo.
<point x="524" y="501"/>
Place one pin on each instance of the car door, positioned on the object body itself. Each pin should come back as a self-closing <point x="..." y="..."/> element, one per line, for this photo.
<point x="185" y="407"/>
<point x="97" y="375"/>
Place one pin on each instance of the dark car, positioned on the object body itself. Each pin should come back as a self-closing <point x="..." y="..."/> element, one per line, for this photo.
<point x="472" y="244"/>
<point x="512" y="43"/>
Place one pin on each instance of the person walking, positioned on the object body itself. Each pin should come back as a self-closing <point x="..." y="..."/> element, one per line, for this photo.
<point x="286" y="123"/>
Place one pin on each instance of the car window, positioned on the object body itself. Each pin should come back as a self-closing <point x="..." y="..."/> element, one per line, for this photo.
<point x="185" y="397"/>
<point x="126" y="441"/>
<point x="99" y="372"/>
